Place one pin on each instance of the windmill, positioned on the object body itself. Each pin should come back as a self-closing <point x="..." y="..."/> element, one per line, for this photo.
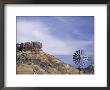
<point x="80" y="59"/>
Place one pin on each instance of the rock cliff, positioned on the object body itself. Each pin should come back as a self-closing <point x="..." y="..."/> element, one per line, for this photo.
<point x="33" y="60"/>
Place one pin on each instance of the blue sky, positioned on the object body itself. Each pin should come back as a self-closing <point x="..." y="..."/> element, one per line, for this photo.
<point x="60" y="35"/>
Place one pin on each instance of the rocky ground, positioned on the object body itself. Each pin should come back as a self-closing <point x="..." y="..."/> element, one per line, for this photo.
<point x="41" y="63"/>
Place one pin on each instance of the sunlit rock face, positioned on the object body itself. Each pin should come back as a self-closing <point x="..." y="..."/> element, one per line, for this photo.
<point x="31" y="59"/>
<point x="29" y="46"/>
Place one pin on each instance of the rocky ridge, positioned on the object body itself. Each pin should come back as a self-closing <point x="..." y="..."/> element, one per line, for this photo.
<point x="31" y="59"/>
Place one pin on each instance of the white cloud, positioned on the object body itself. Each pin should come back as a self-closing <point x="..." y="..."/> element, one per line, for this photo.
<point x="38" y="31"/>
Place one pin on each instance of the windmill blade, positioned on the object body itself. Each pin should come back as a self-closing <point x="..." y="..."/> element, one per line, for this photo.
<point x="79" y="52"/>
<point x="85" y="57"/>
<point x="74" y="60"/>
<point x="74" y="56"/>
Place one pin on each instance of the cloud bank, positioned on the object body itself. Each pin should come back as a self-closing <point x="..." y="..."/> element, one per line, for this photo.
<point x="37" y="30"/>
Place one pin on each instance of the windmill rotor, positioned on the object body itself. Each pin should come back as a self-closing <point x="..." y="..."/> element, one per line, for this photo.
<point x="80" y="59"/>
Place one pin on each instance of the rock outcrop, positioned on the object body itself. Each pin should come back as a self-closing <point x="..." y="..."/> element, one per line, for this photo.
<point x="32" y="60"/>
<point x="29" y="46"/>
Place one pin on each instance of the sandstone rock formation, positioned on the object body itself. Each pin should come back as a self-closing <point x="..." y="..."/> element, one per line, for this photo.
<point x="31" y="59"/>
<point x="29" y="46"/>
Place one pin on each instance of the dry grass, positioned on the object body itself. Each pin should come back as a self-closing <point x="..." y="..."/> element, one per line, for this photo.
<point x="24" y="69"/>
